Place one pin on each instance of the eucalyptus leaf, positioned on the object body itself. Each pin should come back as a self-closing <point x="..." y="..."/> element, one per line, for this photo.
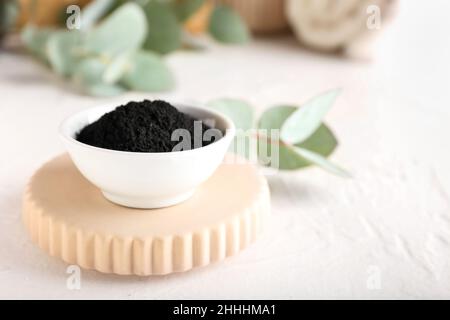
<point x="320" y="161"/>
<point x="243" y="116"/>
<point x="322" y="141"/>
<point x="240" y="112"/>
<point x="164" y="30"/>
<point x="89" y="72"/>
<point x="94" y="11"/>
<point x="186" y="8"/>
<point x="117" y="68"/>
<point x="35" y="40"/>
<point x="148" y="72"/>
<point x="124" y="30"/>
<point x="89" y="78"/>
<point x="62" y="51"/>
<point x="227" y="26"/>
<point x="305" y="121"/>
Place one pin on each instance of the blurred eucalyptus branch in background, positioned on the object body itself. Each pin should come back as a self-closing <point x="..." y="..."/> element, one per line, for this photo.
<point x="118" y="45"/>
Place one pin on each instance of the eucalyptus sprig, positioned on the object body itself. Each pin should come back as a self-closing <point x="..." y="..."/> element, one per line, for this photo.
<point x="304" y="138"/>
<point x="119" y="44"/>
<point x="104" y="59"/>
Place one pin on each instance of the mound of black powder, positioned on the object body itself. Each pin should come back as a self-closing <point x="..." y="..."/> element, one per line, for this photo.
<point x="144" y="126"/>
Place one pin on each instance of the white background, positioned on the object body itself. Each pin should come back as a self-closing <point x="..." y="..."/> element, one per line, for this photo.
<point x="329" y="237"/>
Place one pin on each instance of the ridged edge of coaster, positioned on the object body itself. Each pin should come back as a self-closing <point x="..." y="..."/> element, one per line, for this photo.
<point x="108" y="253"/>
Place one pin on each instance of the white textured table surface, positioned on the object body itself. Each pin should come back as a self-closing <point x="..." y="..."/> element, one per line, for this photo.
<point x="383" y="234"/>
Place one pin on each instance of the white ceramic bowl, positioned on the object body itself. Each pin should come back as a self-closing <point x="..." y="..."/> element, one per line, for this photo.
<point x="146" y="180"/>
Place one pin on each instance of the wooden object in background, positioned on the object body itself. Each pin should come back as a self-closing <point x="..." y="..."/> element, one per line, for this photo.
<point x="262" y="16"/>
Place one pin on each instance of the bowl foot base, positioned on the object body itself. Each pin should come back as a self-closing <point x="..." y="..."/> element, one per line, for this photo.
<point x="145" y="202"/>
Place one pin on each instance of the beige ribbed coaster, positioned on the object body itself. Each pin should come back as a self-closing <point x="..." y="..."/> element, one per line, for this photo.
<point x="69" y="218"/>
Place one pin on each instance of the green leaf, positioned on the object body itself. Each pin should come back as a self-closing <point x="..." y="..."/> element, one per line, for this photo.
<point x="164" y="30"/>
<point x="227" y="26"/>
<point x="124" y="30"/>
<point x="305" y="121"/>
<point x="321" y="161"/>
<point x="35" y="40"/>
<point x="148" y="72"/>
<point x="243" y="116"/>
<point x="117" y="68"/>
<point x="239" y="111"/>
<point x="89" y="72"/>
<point x="186" y="8"/>
<point x="61" y="51"/>
<point x="94" y="11"/>
<point x="89" y="77"/>
<point x="322" y="141"/>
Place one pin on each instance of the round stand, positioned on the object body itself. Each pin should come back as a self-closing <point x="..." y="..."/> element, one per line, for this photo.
<point x="70" y="218"/>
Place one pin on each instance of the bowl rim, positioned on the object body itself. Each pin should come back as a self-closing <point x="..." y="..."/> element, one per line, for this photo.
<point x="230" y="130"/>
